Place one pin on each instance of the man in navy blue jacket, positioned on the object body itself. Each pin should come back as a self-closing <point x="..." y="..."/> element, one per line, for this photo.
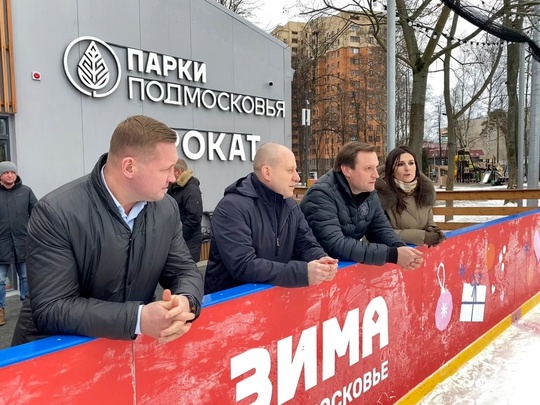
<point x="260" y="235"/>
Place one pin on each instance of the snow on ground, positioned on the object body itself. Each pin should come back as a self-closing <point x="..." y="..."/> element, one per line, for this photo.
<point x="501" y="374"/>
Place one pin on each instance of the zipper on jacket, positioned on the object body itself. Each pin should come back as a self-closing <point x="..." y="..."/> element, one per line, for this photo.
<point x="277" y="246"/>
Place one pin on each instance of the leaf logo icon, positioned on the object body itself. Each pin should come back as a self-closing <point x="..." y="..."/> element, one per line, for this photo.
<point x="92" y="69"/>
<point x="89" y="73"/>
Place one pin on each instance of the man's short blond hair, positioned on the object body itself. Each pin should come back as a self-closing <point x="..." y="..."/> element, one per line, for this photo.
<point x="139" y="135"/>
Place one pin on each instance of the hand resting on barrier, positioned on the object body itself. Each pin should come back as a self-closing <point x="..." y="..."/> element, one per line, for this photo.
<point x="409" y="258"/>
<point x="323" y="269"/>
<point x="166" y="320"/>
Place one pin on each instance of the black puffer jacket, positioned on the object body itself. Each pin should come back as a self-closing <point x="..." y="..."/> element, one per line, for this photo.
<point x="187" y="194"/>
<point x="16" y="203"/>
<point x="339" y="223"/>
<point x="258" y="237"/>
<point x="88" y="272"/>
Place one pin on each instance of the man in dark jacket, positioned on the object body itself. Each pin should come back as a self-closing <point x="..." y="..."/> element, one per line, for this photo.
<point x="98" y="246"/>
<point x="342" y="207"/>
<point x="16" y="203"/>
<point x="259" y="234"/>
<point x="187" y="194"/>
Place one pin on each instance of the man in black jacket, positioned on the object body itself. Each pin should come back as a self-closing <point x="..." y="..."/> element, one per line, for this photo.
<point x="342" y="207"/>
<point x="98" y="246"/>
<point x="16" y="203"/>
<point x="185" y="190"/>
<point x="259" y="234"/>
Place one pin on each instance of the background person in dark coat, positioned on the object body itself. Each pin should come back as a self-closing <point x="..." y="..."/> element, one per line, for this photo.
<point x="187" y="194"/>
<point x="259" y="234"/>
<point x="98" y="246"/>
<point x="342" y="208"/>
<point x="16" y="203"/>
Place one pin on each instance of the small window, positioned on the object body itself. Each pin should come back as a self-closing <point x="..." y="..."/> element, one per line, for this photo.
<point x="355" y="39"/>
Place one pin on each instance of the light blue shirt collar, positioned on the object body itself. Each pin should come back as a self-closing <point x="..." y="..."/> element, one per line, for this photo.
<point x="135" y="211"/>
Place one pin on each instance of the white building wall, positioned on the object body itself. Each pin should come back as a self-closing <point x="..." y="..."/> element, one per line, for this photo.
<point x="58" y="133"/>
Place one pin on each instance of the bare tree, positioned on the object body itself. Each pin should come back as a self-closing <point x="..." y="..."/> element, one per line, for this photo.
<point x="475" y="89"/>
<point x="421" y="50"/>
<point x="403" y="103"/>
<point x="514" y="20"/>
<point x="244" y="8"/>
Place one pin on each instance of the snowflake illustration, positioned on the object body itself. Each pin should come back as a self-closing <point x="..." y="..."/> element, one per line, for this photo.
<point x="444" y="310"/>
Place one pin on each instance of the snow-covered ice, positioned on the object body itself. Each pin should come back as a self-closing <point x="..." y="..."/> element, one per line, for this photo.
<point x="504" y="373"/>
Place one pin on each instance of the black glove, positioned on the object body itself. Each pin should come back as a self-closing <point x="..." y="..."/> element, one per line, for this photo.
<point x="433" y="228"/>
<point x="433" y="238"/>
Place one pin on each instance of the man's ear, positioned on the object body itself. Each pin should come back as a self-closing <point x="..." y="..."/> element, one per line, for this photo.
<point x="266" y="172"/>
<point x="128" y="164"/>
<point x="346" y="170"/>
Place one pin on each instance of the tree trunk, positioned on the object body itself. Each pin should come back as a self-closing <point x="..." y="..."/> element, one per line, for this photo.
<point x="418" y="101"/>
<point x="512" y="126"/>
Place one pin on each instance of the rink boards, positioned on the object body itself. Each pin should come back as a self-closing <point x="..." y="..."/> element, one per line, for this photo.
<point x="372" y="335"/>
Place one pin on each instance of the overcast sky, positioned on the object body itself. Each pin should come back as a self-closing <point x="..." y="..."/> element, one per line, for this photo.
<point x="274" y="12"/>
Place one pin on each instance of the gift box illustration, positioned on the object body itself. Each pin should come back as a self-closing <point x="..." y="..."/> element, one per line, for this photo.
<point x="473" y="300"/>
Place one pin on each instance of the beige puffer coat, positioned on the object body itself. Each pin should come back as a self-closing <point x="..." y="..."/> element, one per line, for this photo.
<point x="410" y="225"/>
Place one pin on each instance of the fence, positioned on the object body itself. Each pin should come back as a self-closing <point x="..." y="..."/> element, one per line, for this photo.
<point x="479" y="212"/>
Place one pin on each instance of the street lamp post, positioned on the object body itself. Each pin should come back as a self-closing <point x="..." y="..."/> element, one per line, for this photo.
<point x="440" y="135"/>
<point x="440" y="138"/>
<point x="306" y="122"/>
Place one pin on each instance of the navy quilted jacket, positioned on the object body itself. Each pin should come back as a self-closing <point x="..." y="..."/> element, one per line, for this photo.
<point x="339" y="223"/>
<point x="258" y="237"/>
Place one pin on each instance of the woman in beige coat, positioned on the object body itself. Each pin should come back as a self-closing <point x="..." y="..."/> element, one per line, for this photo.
<point x="408" y="197"/>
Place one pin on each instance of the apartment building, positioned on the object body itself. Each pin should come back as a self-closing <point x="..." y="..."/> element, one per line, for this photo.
<point x="340" y="75"/>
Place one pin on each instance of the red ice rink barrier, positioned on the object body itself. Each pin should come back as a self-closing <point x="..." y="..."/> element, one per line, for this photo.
<point x="370" y="336"/>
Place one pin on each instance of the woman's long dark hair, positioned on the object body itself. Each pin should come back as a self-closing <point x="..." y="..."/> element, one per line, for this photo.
<point x="391" y="163"/>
